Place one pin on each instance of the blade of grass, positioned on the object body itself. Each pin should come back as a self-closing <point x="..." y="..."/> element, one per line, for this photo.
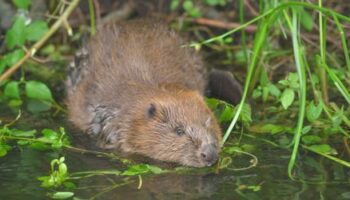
<point x="337" y="160"/>
<point x="322" y="35"/>
<point x="338" y="83"/>
<point x="92" y="17"/>
<point x="243" y="33"/>
<point x="259" y="42"/>
<point x="298" y="55"/>
<point x="325" y="11"/>
<point x="270" y="14"/>
<point x="343" y="41"/>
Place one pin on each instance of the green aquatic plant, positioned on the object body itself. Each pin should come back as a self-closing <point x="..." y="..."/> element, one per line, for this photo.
<point x="295" y="83"/>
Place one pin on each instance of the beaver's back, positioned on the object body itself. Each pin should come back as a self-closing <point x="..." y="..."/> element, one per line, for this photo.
<point x="125" y="59"/>
<point x="144" y="51"/>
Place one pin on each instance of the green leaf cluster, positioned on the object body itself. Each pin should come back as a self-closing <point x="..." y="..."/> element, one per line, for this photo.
<point x="38" y="95"/>
<point x="48" y="139"/>
<point x="20" y="32"/>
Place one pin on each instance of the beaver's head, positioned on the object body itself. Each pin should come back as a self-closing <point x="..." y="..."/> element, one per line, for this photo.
<point x="174" y="127"/>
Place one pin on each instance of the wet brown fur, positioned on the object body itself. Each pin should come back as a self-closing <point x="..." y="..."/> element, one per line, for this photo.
<point x="137" y="87"/>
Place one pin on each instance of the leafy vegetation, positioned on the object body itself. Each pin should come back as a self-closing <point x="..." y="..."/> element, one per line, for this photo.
<point x="296" y="88"/>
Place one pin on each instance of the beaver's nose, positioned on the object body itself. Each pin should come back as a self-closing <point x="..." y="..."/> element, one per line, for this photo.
<point x="209" y="154"/>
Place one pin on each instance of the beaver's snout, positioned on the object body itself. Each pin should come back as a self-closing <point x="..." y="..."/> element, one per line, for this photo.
<point x="209" y="154"/>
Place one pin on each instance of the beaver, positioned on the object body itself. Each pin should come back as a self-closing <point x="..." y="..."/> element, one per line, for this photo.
<point x="137" y="90"/>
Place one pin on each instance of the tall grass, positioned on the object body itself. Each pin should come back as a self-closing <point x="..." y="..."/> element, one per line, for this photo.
<point x="265" y="21"/>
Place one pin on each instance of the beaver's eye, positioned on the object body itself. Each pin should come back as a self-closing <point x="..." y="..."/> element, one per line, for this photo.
<point x="151" y="110"/>
<point x="179" y="131"/>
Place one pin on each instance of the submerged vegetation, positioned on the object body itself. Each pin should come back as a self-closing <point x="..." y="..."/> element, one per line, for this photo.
<point x="291" y="56"/>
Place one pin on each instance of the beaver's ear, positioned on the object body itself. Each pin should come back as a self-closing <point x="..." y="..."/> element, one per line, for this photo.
<point x="151" y="110"/>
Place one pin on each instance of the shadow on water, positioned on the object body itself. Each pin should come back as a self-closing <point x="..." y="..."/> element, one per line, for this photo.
<point x="21" y="167"/>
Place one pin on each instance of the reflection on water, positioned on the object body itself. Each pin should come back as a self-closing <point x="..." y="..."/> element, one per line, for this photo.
<point x="21" y="167"/>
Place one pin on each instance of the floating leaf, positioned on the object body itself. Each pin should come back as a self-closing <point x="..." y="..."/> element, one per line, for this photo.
<point x="141" y="169"/>
<point x="155" y="169"/>
<point x="20" y="133"/>
<point x="39" y="146"/>
<point x="287" y="98"/>
<point x="50" y="134"/>
<point x="136" y="170"/>
<point x="62" y="195"/>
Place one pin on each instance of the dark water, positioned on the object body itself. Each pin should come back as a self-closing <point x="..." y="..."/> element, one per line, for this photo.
<point x="323" y="179"/>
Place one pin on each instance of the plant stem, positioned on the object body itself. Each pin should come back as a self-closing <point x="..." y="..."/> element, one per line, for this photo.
<point x="322" y="72"/>
<point x="92" y="17"/>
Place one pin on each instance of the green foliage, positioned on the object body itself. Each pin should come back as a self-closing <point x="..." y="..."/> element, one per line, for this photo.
<point x="323" y="148"/>
<point x="313" y="112"/>
<point x="4" y="148"/>
<point x="10" y="59"/>
<point x="11" y="90"/>
<point x="279" y="114"/>
<point x="307" y="22"/>
<point x="287" y="98"/>
<point x="48" y="139"/>
<point x="270" y="128"/>
<point x="19" y="33"/>
<point x="290" y="84"/>
<point x="58" y="174"/>
<point x="142" y="169"/>
<point x="225" y="111"/>
<point x="16" y="36"/>
<point x="37" y="90"/>
<point x="39" y="96"/>
<point x="191" y="9"/>
<point x="215" y="2"/>
<point x="36" y="30"/>
<point x="24" y="4"/>
<point x="266" y="88"/>
<point x="311" y="139"/>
